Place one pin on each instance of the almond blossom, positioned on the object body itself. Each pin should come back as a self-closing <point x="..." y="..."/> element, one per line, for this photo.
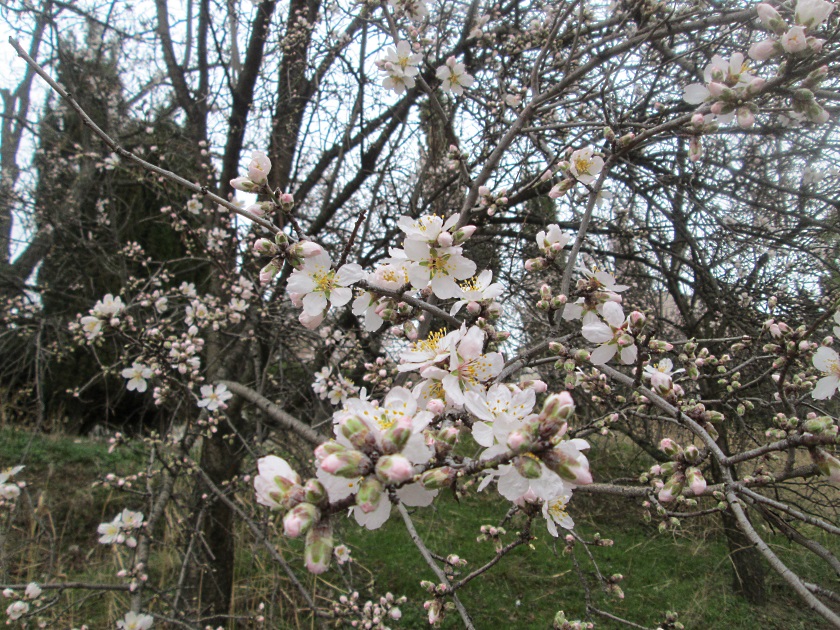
<point x="434" y="349"/>
<point x="135" y="621"/>
<point x="476" y="291"/>
<point x="137" y="375"/>
<point x="468" y="367"/>
<point x="585" y="166"/>
<point x="554" y="512"/>
<point x="552" y="240"/>
<point x="439" y="266"/>
<point x="214" y="397"/>
<point x="318" y="286"/>
<point x="394" y="431"/>
<point x="454" y="77"/>
<point x="612" y="335"/>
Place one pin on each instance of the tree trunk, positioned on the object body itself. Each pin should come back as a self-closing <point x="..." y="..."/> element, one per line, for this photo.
<point x="747" y="563"/>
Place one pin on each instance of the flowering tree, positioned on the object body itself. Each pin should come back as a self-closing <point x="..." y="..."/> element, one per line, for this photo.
<point x="471" y="242"/>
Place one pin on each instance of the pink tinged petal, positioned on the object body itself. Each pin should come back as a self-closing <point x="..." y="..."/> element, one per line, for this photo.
<point x="349" y="274"/>
<point x="695" y="93"/>
<point x="825" y="359"/>
<point x="826" y="387"/>
<point x="314" y="303"/>
<point x="472" y="343"/>
<point x="597" y="332"/>
<point x="376" y="518"/>
<point x="602" y="354"/>
<point x="311" y="321"/>
<point x="512" y="485"/>
<point x="483" y="434"/>
<point x="339" y="296"/>
<point x="628" y="355"/>
<point x="613" y="313"/>
<point x="415" y="495"/>
<point x="445" y="287"/>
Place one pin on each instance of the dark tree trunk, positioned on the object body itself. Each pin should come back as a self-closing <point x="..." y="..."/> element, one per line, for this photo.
<point x="747" y="563"/>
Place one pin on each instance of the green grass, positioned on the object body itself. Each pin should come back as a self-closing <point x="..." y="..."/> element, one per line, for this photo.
<point x="682" y="572"/>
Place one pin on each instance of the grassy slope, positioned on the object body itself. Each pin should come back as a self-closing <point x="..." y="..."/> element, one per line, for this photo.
<point x="684" y="571"/>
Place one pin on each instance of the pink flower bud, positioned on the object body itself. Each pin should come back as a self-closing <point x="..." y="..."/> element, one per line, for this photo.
<point x="767" y="14"/>
<point x="394" y="469"/>
<point x="318" y="550"/>
<point x="264" y="246"/>
<point x="669" y="447"/>
<point x="746" y="118"/>
<point x="436" y="406"/>
<point x="437" y="478"/>
<point x="695" y="480"/>
<point x="299" y="519"/>
<point x="287" y="199"/>
<point x="267" y="273"/>
<point x="307" y="249"/>
<point x="348" y="464"/>
<point x="445" y="239"/>
<point x="519" y="440"/>
<point x="259" y="167"/>
<point x="244" y="184"/>
<point x="369" y="495"/>
<point x="463" y="234"/>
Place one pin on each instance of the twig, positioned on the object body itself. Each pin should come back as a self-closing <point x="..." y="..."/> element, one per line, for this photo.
<point x="285" y="419"/>
<point x="413" y="301"/>
<point x="427" y="556"/>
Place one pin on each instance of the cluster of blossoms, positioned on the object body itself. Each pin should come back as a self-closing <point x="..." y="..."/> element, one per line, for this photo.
<point x="279" y="487"/>
<point x="121" y="530"/>
<point x="672" y="477"/>
<point x="730" y="88"/>
<point x="335" y="387"/>
<point x="809" y="15"/>
<point x="371" y="615"/>
<point x="105" y="310"/>
<point x="20" y="607"/>
<point x="599" y="303"/>
<point x="10" y="490"/>
<point x="399" y="66"/>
